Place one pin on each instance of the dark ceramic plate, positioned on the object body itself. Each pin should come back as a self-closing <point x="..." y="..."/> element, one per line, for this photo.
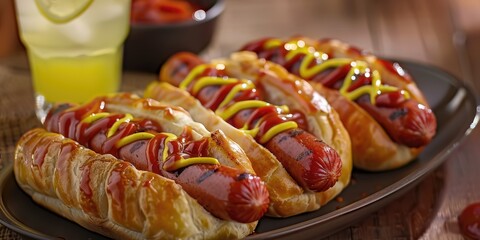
<point x="455" y="106"/>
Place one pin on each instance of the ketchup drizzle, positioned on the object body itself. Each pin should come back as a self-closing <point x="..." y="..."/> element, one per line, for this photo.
<point x="330" y="77"/>
<point x="267" y="116"/>
<point x="68" y="122"/>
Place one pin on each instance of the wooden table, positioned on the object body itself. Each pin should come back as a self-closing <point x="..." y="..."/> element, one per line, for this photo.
<point x="442" y="33"/>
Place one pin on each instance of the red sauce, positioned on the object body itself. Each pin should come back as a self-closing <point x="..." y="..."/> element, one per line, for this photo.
<point x="125" y="129"/>
<point x="293" y="65"/>
<point x="395" y="69"/>
<point x="116" y="186"/>
<point x="300" y="119"/>
<point x="331" y="78"/>
<point x="148" y="183"/>
<point x="65" y="155"/>
<point x="153" y="150"/>
<point x="267" y="116"/>
<point x="40" y="151"/>
<point x="196" y="148"/>
<point x="86" y="193"/>
<point x="161" y="11"/>
<point x="212" y="102"/>
<point x="66" y="122"/>
<point x="257" y="114"/>
<point x="186" y="135"/>
<point x="85" y="181"/>
<point x="62" y="171"/>
<point x="267" y="122"/>
<point x="355" y="51"/>
<point x="469" y="221"/>
<point x="147" y="157"/>
<point x="361" y="80"/>
<point x="256" y="46"/>
<point x="87" y="131"/>
<point x="390" y="99"/>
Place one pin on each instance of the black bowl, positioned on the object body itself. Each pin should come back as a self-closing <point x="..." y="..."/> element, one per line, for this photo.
<point x="148" y="46"/>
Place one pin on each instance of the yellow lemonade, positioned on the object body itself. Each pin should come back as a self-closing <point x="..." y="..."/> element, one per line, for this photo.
<point x="74" y="47"/>
<point x="76" y="79"/>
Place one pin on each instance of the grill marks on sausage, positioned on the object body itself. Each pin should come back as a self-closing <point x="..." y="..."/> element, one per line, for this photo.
<point x="398" y="114"/>
<point x="291" y="134"/>
<point x="296" y="132"/>
<point x="136" y="146"/>
<point x="207" y="174"/>
<point x="304" y="154"/>
<point x="179" y="68"/>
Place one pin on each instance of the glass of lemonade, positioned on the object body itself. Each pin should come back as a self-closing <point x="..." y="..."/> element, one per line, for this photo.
<point x="74" y="47"/>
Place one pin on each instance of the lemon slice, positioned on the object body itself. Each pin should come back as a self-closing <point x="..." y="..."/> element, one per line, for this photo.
<point x="62" y="11"/>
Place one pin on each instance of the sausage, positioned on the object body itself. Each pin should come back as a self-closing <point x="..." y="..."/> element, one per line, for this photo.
<point x="318" y="169"/>
<point x="234" y="195"/>
<point x="311" y="162"/>
<point x="179" y="67"/>
<point x="226" y="192"/>
<point x="408" y="123"/>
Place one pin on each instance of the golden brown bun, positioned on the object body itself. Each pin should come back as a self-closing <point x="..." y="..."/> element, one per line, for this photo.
<point x="287" y="198"/>
<point x="148" y="207"/>
<point x="373" y="149"/>
<point x="151" y="206"/>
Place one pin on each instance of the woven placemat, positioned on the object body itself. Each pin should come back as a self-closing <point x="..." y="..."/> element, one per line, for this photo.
<point x="17" y="113"/>
<point x="17" y="116"/>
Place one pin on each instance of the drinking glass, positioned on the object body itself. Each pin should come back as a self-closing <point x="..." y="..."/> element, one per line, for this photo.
<point x="74" y="47"/>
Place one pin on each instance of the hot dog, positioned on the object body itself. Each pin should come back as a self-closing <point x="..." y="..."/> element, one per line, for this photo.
<point x="175" y="179"/>
<point x="302" y="153"/>
<point x="385" y="113"/>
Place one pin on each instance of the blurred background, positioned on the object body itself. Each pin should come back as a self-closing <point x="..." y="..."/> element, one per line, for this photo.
<point x="445" y="33"/>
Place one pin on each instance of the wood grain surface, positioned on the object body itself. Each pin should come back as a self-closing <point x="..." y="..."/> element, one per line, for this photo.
<point x="443" y="33"/>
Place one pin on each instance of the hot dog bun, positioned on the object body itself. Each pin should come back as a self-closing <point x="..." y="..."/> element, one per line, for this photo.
<point x="377" y="143"/>
<point x="111" y="196"/>
<point x="287" y="197"/>
<point x="372" y="148"/>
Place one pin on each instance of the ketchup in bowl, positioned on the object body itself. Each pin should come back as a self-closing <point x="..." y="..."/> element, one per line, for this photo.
<point x="161" y="11"/>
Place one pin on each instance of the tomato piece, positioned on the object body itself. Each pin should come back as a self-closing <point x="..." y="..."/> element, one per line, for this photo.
<point x="469" y="221"/>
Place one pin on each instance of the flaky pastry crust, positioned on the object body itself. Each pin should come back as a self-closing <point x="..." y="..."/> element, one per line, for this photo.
<point x="112" y="197"/>
<point x="145" y="206"/>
